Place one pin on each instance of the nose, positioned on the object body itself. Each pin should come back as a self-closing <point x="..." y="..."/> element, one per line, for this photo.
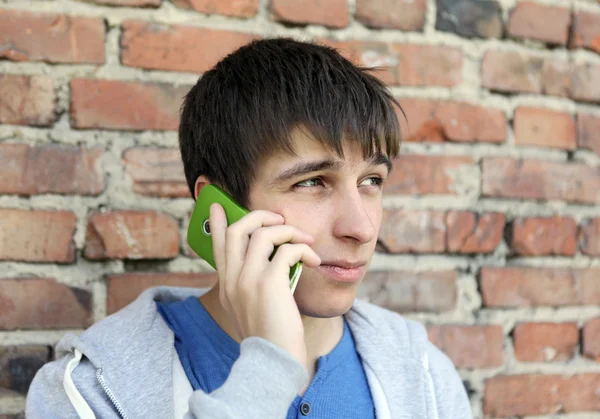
<point x="354" y="221"/>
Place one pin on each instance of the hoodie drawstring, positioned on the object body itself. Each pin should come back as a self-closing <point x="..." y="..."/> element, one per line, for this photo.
<point x="79" y="404"/>
<point x="81" y="407"/>
<point x="431" y="388"/>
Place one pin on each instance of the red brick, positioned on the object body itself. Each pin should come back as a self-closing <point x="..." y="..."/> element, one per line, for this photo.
<point x="544" y="128"/>
<point x="43" y="303"/>
<point x="51" y="37"/>
<point x="392" y="14"/>
<point x="586" y="30"/>
<point x="18" y="365"/>
<point x="544" y="236"/>
<point x="112" y="104"/>
<point x="131" y="235"/>
<point x="591" y="339"/>
<point x="511" y="71"/>
<point x="124" y="288"/>
<point x="422" y="174"/>
<point x="128" y="3"/>
<point x="332" y="13"/>
<point x="536" y="394"/>
<point x="540" y="22"/>
<point x="238" y="8"/>
<point x="470" y="346"/>
<point x="156" y="172"/>
<point x="504" y="177"/>
<point x="429" y="65"/>
<point x="422" y="231"/>
<point x="435" y="121"/>
<point x="27" y="170"/>
<point x="176" y="48"/>
<point x="422" y="124"/>
<point x="589" y="237"/>
<point x="37" y="236"/>
<point x="405" y="64"/>
<point x="530" y="287"/>
<point x="588" y="126"/>
<point x="556" y="77"/>
<point x="544" y="342"/>
<point x="469" y="232"/>
<point x="586" y="82"/>
<point x="413" y="231"/>
<point x="404" y="291"/>
<point x="27" y="100"/>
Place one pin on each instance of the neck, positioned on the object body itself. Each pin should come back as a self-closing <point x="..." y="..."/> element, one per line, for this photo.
<point x="321" y="335"/>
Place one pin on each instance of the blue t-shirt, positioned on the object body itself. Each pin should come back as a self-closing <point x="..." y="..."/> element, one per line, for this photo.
<point x="339" y="388"/>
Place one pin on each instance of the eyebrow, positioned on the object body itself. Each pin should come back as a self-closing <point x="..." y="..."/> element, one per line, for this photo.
<point x="378" y="159"/>
<point x="303" y="168"/>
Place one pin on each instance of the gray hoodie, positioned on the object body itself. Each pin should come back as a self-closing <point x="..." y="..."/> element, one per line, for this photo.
<point x="126" y="366"/>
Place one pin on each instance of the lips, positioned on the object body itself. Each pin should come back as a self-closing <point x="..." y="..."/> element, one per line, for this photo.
<point x="344" y="264"/>
<point x="343" y="271"/>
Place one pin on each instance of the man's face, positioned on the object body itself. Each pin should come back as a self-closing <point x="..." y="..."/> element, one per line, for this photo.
<point x="336" y="200"/>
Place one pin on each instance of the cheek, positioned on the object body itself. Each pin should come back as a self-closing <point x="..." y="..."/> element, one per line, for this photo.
<point x="376" y="215"/>
<point x="309" y="218"/>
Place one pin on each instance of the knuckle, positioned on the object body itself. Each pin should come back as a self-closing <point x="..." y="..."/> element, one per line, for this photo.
<point x="259" y="234"/>
<point x="245" y="287"/>
<point x="286" y="248"/>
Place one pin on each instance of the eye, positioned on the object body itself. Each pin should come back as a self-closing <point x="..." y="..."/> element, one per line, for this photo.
<point x="373" y="181"/>
<point x="308" y="183"/>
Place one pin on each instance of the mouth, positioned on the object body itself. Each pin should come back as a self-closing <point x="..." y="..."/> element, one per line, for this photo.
<point x="343" y="271"/>
<point x="344" y="263"/>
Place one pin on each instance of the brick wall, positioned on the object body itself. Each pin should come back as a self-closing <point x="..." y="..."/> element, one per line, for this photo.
<point x="491" y="234"/>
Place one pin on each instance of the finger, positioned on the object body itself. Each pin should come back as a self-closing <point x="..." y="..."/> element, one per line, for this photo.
<point x="218" y="228"/>
<point x="289" y="254"/>
<point x="263" y="242"/>
<point x="238" y="237"/>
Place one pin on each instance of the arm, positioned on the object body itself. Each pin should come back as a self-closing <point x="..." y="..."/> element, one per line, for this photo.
<point x="263" y="382"/>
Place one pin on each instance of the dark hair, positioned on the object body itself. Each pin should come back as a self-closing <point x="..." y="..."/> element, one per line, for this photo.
<point x="245" y="108"/>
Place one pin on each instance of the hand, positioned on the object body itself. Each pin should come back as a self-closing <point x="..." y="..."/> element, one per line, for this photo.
<point x="254" y="291"/>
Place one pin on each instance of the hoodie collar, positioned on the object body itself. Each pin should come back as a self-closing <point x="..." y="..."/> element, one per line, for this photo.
<point x="132" y="363"/>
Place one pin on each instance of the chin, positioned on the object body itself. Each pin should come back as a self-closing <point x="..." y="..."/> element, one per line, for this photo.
<point x="324" y="300"/>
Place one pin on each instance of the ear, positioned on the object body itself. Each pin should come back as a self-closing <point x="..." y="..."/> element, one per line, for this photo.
<point x="201" y="182"/>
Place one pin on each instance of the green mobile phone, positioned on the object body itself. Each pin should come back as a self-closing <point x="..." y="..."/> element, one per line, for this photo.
<point x="198" y="235"/>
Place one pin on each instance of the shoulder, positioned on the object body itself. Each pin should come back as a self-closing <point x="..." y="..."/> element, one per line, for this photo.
<point x="47" y="396"/>
<point x="450" y="392"/>
<point x="383" y="326"/>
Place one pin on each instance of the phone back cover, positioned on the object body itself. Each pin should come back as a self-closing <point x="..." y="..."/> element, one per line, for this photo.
<point x="200" y="242"/>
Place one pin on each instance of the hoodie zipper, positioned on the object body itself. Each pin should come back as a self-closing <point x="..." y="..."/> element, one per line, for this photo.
<point x="109" y="393"/>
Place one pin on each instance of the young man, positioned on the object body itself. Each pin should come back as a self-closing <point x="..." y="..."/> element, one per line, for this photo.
<point x="302" y="138"/>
